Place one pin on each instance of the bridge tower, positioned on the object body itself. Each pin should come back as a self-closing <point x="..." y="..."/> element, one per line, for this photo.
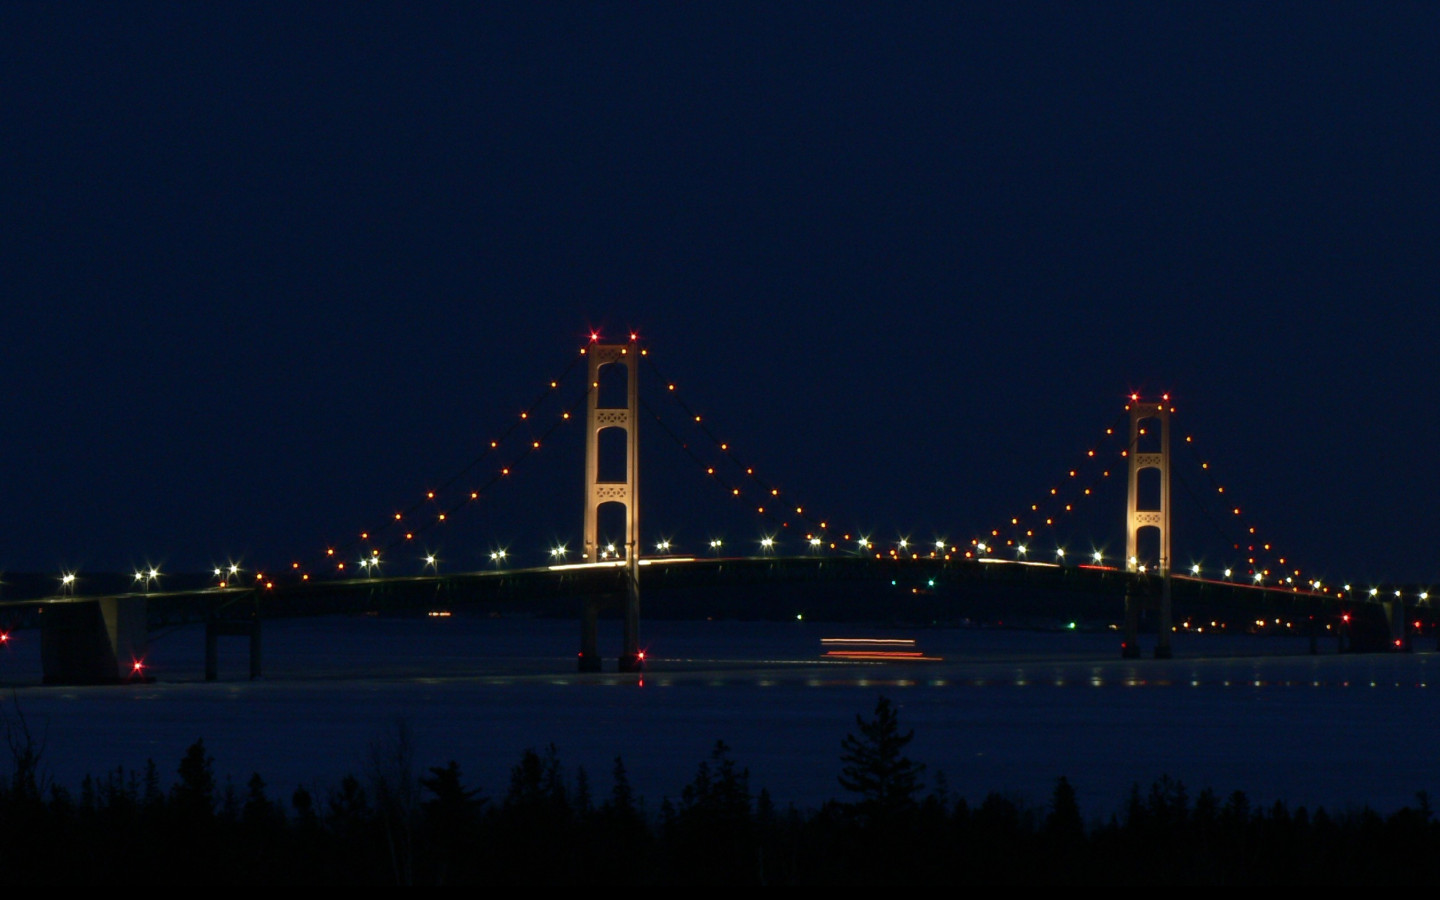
<point x="626" y="493"/>
<point x="1157" y="413"/>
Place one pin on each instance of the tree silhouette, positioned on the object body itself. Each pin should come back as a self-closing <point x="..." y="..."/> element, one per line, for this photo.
<point x="876" y="768"/>
<point x="194" y="795"/>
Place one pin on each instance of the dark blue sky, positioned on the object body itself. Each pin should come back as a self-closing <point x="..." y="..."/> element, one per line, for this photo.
<point x="269" y="272"/>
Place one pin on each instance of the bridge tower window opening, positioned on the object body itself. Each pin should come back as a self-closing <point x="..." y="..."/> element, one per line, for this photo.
<point x="611" y="386"/>
<point x="612" y="457"/>
<point x="1149" y="490"/>
<point x="1149" y="436"/>
<point x="610" y="533"/>
<point x="1147" y="550"/>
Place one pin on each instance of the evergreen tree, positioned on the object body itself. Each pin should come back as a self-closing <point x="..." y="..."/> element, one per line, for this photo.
<point x="1064" y="824"/>
<point x="194" y="794"/>
<point x="876" y="768"/>
<point x="451" y="824"/>
<point x="622" y="797"/>
<point x="711" y="837"/>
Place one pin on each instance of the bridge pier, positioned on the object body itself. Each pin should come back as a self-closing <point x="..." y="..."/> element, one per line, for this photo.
<point x="1167" y="628"/>
<point x="218" y="629"/>
<point x="589" y="635"/>
<point x="1395" y="618"/>
<point x="100" y="641"/>
<point x="1130" y="646"/>
<point x="632" y="659"/>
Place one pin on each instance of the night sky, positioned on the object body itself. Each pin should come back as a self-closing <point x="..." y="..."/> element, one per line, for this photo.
<point x="269" y="272"/>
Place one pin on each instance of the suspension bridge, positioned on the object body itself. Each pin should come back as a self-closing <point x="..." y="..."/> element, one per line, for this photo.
<point x="102" y="636"/>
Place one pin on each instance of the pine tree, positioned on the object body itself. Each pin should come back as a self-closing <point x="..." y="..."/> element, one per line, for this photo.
<point x="194" y="794"/>
<point x="876" y="768"/>
<point x="1064" y="823"/>
<point x="622" y="796"/>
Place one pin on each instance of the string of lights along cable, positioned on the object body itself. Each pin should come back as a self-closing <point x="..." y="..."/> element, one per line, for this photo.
<point x="1231" y="546"/>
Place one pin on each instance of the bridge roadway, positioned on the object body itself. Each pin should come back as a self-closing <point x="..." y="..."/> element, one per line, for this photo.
<point x="918" y="590"/>
<point x="736" y="587"/>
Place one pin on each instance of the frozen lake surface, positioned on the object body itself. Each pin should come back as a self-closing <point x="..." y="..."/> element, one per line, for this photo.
<point x="1004" y="710"/>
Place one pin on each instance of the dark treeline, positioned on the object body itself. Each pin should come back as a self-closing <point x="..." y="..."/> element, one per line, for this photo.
<point x="397" y="823"/>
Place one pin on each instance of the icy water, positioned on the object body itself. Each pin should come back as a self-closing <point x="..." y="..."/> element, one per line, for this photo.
<point x="1008" y="711"/>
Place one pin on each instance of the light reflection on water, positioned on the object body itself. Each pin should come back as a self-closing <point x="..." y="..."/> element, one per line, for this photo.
<point x="1006" y="711"/>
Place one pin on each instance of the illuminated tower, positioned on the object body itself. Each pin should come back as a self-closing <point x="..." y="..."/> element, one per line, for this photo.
<point x="1145" y="415"/>
<point x="1142" y="411"/>
<point x="598" y="493"/>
